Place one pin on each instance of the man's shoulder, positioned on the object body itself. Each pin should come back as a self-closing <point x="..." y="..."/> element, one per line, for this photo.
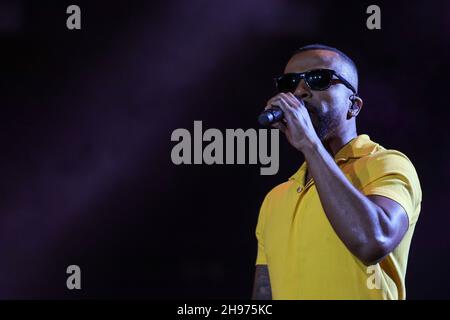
<point x="386" y="158"/>
<point x="279" y="191"/>
<point x="389" y="164"/>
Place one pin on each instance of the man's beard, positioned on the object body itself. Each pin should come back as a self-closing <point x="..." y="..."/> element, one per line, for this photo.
<point x="325" y="123"/>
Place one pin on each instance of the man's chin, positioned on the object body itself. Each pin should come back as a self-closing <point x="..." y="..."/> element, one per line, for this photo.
<point x="322" y="134"/>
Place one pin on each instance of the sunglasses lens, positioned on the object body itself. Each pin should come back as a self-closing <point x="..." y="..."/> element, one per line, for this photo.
<point x="287" y="83"/>
<point x="319" y="79"/>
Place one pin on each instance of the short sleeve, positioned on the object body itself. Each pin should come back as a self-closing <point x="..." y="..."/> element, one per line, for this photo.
<point x="261" y="254"/>
<point x="391" y="174"/>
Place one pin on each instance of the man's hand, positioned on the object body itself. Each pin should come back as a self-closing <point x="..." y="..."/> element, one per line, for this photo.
<point x="296" y="125"/>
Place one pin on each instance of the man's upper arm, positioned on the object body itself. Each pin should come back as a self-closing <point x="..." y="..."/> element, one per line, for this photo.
<point x="259" y="232"/>
<point x="394" y="221"/>
<point x="393" y="176"/>
<point x="261" y="285"/>
<point x="391" y="183"/>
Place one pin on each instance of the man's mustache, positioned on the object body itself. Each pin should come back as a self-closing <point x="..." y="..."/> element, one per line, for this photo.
<point x="308" y="106"/>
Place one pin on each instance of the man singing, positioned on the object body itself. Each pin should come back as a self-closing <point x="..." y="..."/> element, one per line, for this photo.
<point x="341" y="226"/>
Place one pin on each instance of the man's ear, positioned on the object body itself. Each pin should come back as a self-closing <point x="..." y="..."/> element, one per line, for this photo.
<point x="355" y="106"/>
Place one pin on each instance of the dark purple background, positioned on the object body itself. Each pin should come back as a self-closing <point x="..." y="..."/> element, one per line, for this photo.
<point x="86" y="119"/>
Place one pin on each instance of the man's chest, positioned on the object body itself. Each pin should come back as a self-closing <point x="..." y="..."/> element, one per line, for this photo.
<point x="297" y="220"/>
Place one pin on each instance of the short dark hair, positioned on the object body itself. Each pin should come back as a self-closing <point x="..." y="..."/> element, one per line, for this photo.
<point x="318" y="46"/>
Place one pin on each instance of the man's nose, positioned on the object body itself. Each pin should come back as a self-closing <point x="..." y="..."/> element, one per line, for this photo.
<point x="302" y="91"/>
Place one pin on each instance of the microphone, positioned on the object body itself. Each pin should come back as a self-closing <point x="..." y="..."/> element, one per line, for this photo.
<point x="270" y="116"/>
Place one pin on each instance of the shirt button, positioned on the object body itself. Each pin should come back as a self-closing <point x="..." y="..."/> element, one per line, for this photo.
<point x="299" y="189"/>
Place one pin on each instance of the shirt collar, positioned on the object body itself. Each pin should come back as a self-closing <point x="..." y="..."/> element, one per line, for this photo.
<point x="358" y="147"/>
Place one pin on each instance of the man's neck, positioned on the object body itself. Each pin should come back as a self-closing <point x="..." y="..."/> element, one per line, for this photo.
<point x="334" y="144"/>
<point x="338" y="141"/>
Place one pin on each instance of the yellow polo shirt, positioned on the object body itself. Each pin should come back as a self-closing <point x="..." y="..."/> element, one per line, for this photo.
<point x="305" y="257"/>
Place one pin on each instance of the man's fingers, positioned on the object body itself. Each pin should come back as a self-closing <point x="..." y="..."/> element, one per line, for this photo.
<point x="280" y="126"/>
<point x="274" y="101"/>
<point x="296" y="102"/>
<point x="283" y="102"/>
<point x="287" y="111"/>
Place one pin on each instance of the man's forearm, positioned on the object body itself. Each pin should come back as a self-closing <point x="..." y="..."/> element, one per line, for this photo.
<point x="261" y="286"/>
<point x="355" y="219"/>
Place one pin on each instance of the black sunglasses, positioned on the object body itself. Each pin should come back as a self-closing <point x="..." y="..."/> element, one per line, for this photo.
<point x="318" y="80"/>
